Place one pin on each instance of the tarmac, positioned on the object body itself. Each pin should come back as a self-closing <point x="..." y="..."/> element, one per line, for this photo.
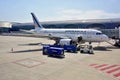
<point x="21" y="59"/>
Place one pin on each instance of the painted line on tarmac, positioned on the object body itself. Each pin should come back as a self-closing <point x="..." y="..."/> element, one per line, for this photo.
<point x="29" y="63"/>
<point x="112" y="70"/>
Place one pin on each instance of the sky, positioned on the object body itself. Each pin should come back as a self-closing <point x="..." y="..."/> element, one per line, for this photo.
<point x="57" y="10"/>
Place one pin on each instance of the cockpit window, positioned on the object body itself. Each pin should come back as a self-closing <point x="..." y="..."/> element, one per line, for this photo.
<point x="98" y="33"/>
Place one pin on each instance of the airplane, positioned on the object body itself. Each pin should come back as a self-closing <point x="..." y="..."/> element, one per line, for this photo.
<point x="77" y="35"/>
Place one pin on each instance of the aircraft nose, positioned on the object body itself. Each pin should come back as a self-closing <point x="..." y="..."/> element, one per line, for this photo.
<point x="106" y="38"/>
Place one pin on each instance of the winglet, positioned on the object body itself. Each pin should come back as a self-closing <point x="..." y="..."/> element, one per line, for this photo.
<point x="36" y="23"/>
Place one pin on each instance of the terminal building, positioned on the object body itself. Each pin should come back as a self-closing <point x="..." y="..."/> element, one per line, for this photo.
<point x="91" y="23"/>
<point x="5" y="26"/>
<point x="107" y="26"/>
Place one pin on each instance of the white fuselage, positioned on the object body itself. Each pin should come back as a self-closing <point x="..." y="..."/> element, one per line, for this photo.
<point x="88" y="35"/>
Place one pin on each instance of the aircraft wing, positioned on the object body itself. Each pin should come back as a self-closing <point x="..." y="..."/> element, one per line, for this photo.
<point x="55" y="37"/>
<point x="32" y="31"/>
<point x="34" y="34"/>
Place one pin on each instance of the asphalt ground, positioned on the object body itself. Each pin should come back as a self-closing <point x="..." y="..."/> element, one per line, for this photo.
<point x="21" y="59"/>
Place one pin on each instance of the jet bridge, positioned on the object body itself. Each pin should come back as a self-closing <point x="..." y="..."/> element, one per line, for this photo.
<point x="113" y="34"/>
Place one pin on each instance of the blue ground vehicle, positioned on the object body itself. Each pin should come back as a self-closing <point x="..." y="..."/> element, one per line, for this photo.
<point x="58" y="50"/>
<point x="45" y="49"/>
<point x="70" y="48"/>
<point x="53" y="51"/>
